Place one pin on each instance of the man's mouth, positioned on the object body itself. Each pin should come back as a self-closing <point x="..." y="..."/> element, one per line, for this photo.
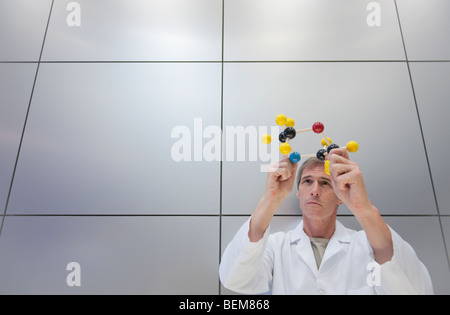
<point x="314" y="203"/>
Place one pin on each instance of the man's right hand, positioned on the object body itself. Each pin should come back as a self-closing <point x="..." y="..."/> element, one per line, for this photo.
<point x="279" y="184"/>
<point x="281" y="179"/>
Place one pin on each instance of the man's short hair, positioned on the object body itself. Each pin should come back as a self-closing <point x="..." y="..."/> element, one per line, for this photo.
<point x="308" y="162"/>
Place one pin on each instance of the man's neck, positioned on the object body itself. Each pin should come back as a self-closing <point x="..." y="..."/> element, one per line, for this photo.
<point x="319" y="228"/>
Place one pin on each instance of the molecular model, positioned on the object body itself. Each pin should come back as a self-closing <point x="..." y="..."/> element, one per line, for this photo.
<point x="289" y="133"/>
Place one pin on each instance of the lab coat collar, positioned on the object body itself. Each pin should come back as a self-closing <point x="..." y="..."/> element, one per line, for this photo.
<point x="338" y="242"/>
<point x="340" y="233"/>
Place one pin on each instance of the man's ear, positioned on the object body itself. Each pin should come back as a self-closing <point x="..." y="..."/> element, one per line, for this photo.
<point x="340" y="202"/>
<point x="298" y="194"/>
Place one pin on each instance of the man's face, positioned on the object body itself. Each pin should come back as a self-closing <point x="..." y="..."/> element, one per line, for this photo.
<point x="316" y="194"/>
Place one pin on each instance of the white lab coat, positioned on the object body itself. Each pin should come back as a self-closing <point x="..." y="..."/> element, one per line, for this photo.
<point x="285" y="263"/>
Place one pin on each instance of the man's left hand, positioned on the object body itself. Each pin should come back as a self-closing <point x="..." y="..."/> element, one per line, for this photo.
<point x="347" y="180"/>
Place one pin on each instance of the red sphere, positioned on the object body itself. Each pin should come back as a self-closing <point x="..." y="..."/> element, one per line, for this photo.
<point x="318" y="127"/>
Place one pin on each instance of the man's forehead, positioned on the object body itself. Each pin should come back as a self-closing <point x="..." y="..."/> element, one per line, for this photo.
<point x="315" y="170"/>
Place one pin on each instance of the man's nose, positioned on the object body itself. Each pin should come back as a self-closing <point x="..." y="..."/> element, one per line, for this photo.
<point x="315" y="190"/>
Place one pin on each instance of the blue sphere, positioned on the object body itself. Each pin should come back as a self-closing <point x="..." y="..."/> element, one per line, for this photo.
<point x="294" y="157"/>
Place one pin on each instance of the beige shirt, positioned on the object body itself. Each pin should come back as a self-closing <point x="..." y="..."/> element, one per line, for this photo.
<point x="319" y="245"/>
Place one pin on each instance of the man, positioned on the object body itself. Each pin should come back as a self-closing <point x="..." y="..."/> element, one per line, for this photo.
<point x="321" y="256"/>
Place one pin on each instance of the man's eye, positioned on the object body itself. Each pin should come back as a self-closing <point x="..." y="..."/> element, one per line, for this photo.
<point x="326" y="183"/>
<point x="307" y="181"/>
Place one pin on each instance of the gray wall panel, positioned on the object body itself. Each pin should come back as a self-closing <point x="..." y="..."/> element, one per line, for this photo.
<point x="16" y="81"/>
<point x="136" y="30"/>
<point x="22" y="29"/>
<point x="425" y="27"/>
<point x="116" y="255"/>
<point x="445" y="221"/>
<point x="98" y="140"/>
<point x="431" y="82"/>
<point x="310" y="30"/>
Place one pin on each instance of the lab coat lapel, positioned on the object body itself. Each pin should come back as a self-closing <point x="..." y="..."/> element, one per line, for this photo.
<point x="338" y="242"/>
<point x="304" y="248"/>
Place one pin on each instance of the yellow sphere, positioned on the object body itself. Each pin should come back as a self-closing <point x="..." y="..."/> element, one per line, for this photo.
<point x="281" y="120"/>
<point x="285" y="148"/>
<point x="290" y="122"/>
<point x="323" y="142"/>
<point x="266" y="139"/>
<point x="327" y="167"/>
<point x="352" y="146"/>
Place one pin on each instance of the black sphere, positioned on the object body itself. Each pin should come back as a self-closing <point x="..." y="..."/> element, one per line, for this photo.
<point x="331" y="147"/>
<point x="282" y="137"/>
<point x="321" y="154"/>
<point x="290" y="132"/>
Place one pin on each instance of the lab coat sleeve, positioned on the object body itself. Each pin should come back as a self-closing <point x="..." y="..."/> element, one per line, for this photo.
<point x="246" y="267"/>
<point x="404" y="273"/>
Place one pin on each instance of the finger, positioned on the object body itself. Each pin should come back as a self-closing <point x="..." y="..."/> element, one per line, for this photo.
<point x="337" y="169"/>
<point x="339" y="152"/>
<point x="337" y="158"/>
<point x="284" y="159"/>
<point x="282" y="170"/>
<point x="344" y="181"/>
<point x="285" y="175"/>
<point x="274" y="166"/>
<point x="294" y="171"/>
<point x="291" y="170"/>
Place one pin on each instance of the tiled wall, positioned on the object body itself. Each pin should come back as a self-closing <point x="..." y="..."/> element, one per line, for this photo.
<point x="89" y="117"/>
